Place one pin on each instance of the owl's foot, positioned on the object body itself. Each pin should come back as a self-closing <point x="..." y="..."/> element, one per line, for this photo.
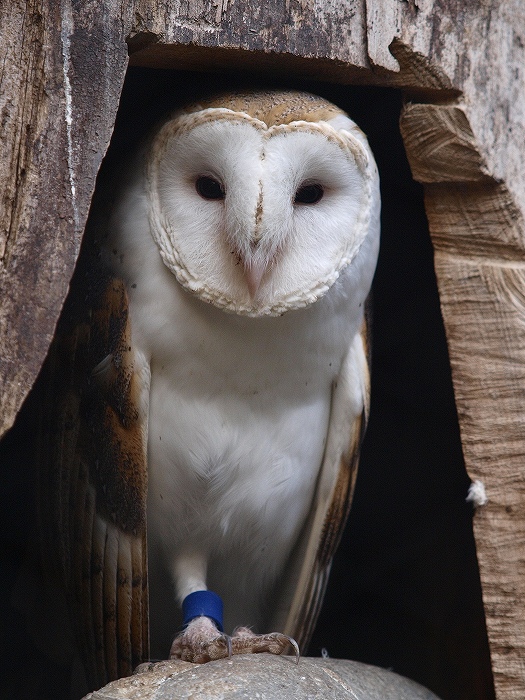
<point x="201" y="642"/>
<point x="244" y="641"/>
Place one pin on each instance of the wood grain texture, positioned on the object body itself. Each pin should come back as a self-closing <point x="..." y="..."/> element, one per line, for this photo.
<point x="479" y="48"/>
<point x="478" y="236"/>
<point x="483" y="307"/>
<point x="61" y="73"/>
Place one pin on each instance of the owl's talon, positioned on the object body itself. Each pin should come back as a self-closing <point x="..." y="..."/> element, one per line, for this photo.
<point x="293" y="643"/>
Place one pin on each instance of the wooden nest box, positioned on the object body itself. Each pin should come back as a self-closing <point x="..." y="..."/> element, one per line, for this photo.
<point x="460" y="69"/>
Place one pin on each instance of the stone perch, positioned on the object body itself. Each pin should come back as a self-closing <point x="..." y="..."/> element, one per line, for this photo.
<point x="263" y="676"/>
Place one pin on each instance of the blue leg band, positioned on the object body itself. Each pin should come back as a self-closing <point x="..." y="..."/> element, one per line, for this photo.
<point x="200" y="603"/>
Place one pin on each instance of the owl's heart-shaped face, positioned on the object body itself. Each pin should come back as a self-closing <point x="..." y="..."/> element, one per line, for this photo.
<point x="259" y="219"/>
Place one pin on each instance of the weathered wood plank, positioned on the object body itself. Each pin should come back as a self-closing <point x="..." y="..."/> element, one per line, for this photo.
<point x="298" y="27"/>
<point x="480" y="49"/>
<point x="484" y="310"/>
<point x="478" y="237"/>
<point x="60" y="80"/>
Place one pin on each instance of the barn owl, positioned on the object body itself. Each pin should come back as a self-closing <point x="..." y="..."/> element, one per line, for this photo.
<point x="216" y="364"/>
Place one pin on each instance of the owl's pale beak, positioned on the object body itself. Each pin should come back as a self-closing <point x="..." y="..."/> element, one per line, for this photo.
<point x="253" y="273"/>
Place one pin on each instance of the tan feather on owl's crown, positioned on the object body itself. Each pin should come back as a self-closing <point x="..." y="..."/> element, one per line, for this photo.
<point x="272" y="108"/>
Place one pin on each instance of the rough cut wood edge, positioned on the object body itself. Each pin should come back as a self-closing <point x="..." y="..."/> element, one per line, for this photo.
<point x="478" y="235"/>
<point x="61" y="76"/>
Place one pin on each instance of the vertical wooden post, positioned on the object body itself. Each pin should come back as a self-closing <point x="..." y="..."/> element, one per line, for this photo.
<point x="478" y="237"/>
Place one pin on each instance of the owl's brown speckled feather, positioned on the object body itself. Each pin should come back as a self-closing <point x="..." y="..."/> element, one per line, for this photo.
<point x="93" y="477"/>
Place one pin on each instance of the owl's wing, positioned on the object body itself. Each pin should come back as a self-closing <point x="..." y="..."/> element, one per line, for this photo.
<point x="306" y="577"/>
<point x="92" y="481"/>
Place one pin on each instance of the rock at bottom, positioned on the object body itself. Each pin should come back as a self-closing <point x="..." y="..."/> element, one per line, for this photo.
<point x="263" y="676"/>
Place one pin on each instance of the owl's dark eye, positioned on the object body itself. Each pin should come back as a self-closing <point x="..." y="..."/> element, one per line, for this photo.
<point x="309" y="194"/>
<point x="209" y="188"/>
